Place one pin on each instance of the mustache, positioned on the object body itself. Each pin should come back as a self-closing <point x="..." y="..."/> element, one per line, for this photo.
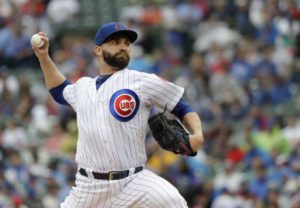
<point x="122" y="53"/>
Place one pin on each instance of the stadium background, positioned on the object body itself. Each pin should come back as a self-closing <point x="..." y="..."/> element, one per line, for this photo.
<point x="238" y="60"/>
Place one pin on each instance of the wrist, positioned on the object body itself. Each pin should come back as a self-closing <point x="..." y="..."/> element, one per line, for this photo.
<point x="43" y="57"/>
<point x="196" y="141"/>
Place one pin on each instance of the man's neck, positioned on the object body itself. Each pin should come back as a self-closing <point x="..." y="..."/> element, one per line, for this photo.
<point x="107" y="71"/>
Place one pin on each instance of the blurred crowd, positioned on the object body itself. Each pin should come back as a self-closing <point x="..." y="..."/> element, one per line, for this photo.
<point x="239" y="61"/>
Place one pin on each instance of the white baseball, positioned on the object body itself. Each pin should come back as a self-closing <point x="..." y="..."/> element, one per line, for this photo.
<point x="37" y="41"/>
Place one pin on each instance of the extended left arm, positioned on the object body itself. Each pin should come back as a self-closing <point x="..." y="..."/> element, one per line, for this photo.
<point x="192" y="122"/>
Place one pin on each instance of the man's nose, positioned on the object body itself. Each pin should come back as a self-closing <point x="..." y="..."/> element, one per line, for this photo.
<point x="124" y="46"/>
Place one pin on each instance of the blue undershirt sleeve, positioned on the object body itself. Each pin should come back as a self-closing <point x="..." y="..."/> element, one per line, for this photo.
<point x="57" y="93"/>
<point x="181" y="108"/>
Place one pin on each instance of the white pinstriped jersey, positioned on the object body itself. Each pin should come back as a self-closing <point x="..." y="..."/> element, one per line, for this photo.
<point x="112" y="120"/>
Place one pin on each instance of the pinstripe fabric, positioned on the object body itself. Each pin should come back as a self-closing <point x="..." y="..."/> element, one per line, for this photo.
<point x="112" y="123"/>
<point x="105" y="143"/>
<point x="141" y="190"/>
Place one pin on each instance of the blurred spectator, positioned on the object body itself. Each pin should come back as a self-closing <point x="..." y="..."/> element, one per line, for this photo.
<point x="267" y="33"/>
<point x="7" y="102"/>
<point x="258" y="186"/>
<point x="292" y="131"/>
<point x="34" y="17"/>
<point x="66" y="10"/>
<point x="295" y="77"/>
<point x="272" y="199"/>
<point x="266" y="66"/>
<point x="14" y="136"/>
<point x="68" y="145"/>
<point x="241" y="22"/>
<point x="254" y="153"/>
<point x="257" y="119"/>
<point x="228" y="94"/>
<point x="65" y="190"/>
<point x="234" y="154"/>
<point x="19" y="51"/>
<point x="139" y="61"/>
<point x="225" y="200"/>
<point x="6" y="11"/>
<point x="16" y="172"/>
<point x="270" y="139"/>
<point x="190" y="12"/>
<point x="4" y="192"/>
<point x="51" y="198"/>
<point x="240" y="68"/>
<point x="53" y="143"/>
<point x="195" y="81"/>
<point x="160" y="161"/>
<point x="216" y="139"/>
<point x="208" y="34"/>
<point x="132" y="11"/>
<point x="228" y="178"/>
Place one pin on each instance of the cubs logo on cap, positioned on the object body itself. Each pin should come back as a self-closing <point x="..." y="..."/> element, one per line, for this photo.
<point x="124" y="104"/>
<point x="114" y="28"/>
<point x="118" y="27"/>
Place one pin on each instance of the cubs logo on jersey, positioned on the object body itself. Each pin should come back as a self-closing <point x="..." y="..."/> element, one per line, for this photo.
<point x="124" y="104"/>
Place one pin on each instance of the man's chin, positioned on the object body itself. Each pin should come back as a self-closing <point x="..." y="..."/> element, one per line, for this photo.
<point x="119" y="68"/>
<point x="117" y="64"/>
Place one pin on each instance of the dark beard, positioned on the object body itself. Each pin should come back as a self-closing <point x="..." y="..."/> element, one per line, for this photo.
<point x="120" y="62"/>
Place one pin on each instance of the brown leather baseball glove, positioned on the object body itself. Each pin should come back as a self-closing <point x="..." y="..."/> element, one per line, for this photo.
<point x="170" y="135"/>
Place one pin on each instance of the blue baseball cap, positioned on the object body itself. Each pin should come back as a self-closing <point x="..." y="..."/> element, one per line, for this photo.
<point x="113" y="28"/>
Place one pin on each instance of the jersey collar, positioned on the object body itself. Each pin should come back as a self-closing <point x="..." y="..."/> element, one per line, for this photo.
<point x="101" y="79"/>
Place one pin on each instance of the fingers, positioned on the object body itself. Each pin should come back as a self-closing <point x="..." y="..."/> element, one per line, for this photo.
<point x="42" y="34"/>
<point x="41" y="51"/>
<point x="44" y="37"/>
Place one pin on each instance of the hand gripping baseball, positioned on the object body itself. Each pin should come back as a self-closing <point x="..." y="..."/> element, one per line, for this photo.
<point x="40" y="44"/>
<point x="170" y="135"/>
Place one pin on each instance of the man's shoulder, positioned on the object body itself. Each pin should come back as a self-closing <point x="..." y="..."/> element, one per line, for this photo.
<point x="139" y="73"/>
<point x="85" y="79"/>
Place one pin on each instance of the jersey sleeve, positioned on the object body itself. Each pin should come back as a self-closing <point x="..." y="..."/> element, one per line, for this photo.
<point x="69" y="95"/>
<point x="159" y="92"/>
<point x="57" y="93"/>
<point x="73" y="93"/>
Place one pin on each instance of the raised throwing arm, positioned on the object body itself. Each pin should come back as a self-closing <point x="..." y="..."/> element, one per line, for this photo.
<point x="53" y="77"/>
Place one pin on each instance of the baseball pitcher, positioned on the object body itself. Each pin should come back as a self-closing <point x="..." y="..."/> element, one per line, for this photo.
<point x="112" y="117"/>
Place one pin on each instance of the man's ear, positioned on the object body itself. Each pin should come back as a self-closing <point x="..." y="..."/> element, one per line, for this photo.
<point x="98" y="50"/>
